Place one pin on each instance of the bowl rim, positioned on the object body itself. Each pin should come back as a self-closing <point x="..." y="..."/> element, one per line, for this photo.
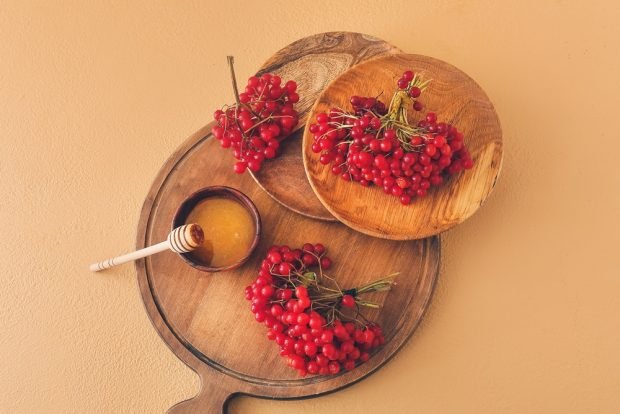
<point x="193" y="199"/>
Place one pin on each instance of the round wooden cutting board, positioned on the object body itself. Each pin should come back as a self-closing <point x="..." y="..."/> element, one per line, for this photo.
<point x="204" y="318"/>
<point x="313" y="62"/>
<point x="456" y="99"/>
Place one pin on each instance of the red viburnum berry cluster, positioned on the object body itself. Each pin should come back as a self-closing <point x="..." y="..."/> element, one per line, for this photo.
<point x="318" y="327"/>
<point x="375" y="145"/>
<point x="263" y="115"/>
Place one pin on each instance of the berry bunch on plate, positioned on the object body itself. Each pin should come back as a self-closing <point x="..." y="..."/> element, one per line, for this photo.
<point x="318" y="327"/>
<point x="375" y="144"/>
<point x="263" y="115"/>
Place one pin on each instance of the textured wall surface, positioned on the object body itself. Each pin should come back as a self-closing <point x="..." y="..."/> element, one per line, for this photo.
<point x="94" y="97"/>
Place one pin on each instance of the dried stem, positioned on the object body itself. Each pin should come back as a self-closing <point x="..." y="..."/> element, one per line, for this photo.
<point x="231" y="66"/>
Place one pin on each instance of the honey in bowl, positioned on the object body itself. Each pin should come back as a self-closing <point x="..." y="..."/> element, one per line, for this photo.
<point x="229" y="231"/>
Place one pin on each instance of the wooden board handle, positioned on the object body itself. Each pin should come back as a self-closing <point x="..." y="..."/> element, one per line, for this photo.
<point x="213" y="400"/>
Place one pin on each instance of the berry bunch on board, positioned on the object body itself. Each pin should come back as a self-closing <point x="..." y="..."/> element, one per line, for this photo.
<point x="375" y="144"/>
<point x="318" y="327"/>
<point x="262" y="116"/>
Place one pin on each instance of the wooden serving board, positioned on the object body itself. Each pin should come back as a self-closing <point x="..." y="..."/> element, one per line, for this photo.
<point x="313" y="62"/>
<point x="455" y="98"/>
<point x="204" y="318"/>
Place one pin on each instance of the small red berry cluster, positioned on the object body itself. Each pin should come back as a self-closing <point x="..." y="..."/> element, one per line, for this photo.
<point x="318" y="327"/>
<point x="263" y="115"/>
<point x="375" y="145"/>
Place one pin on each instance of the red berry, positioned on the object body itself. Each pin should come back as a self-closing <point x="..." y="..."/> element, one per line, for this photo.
<point x="310" y="349"/>
<point x="291" y="86"/>
<point x="340" y="332"/>
<point x="269" y="152"/>
<point x="274" y="257"/>
<point x="322" y="360"/>
<point x="327" y="336"/>
<point x="348" y="301"/>
<point x="304" y="303"/>
<point x="329" y="350"/>
<point x="316" y="323"/>
<point x="369" y="336"/>
<point x="319" y="249"/>
<point x="308" y="259"/>
<point x="276" y="310"/>
<point x="301" y="292"/>
<point x="284" y="268"/>
<point x="430" y="149"/>
<point x="288" y="257"/>
<point x="240" y="167"/>
<point x="312" y="368"/>
<point x="334" y="367"/>
<point x="296" y="362"/>
<point x="386" y="145"/>
<point x="348" y="365"/>
<point x="267" y="291"/>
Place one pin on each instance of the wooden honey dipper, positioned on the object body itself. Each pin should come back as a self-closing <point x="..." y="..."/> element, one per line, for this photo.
<point x="183" y="239"/>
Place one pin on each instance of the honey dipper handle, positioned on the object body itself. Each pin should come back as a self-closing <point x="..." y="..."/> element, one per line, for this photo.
<point x="183" y="239"/>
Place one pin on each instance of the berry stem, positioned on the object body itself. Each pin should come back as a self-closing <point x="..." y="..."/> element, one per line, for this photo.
<point x="332" y="299"/>
<point x="231" y="66"/>
<point x="401" y="100"/>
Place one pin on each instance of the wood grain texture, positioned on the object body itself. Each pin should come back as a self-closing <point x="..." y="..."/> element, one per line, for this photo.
<point x="204" y="318"/>
<point x="457" y="99"/>
<point x="313" y="62"/>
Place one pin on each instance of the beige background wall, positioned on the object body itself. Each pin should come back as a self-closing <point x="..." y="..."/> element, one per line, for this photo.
<point x="94" y="96"/>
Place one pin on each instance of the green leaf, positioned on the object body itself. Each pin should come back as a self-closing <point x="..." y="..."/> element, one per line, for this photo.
<point x="310" y="275"/>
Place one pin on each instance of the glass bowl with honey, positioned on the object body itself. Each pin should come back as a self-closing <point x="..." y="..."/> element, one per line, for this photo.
<point x="231" y="225"/>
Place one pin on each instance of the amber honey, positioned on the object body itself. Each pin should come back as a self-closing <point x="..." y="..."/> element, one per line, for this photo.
<point x="228" y="228"/>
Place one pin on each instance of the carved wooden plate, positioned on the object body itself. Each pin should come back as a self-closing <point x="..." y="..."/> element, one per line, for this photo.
<point x="313" y="62"/>
<point x="204" y="318"/>
<point x="457" y="99"/>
